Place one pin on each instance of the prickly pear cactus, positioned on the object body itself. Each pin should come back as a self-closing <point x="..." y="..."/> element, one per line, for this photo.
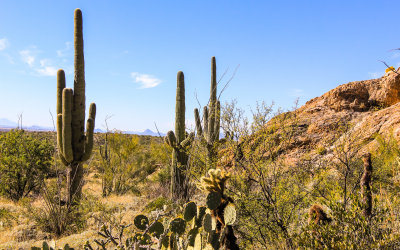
<point x="230" y="214"/>
<point x="156" y="229"/>
<point x="213" y="200"/>
<point x="190" y="211"/>
<point x="207" y="223"/>
<point x="141" y="222"/>
<point x="177" y="226"/>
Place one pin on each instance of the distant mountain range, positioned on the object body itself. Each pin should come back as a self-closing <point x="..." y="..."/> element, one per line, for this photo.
<point x="6" y="124"/>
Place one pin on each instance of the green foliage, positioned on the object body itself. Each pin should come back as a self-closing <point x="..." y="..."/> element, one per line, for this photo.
<point x="24" y="163"/>
<point x="57" y="217"/>
<point x="281" y="191"/>
<point x="156" y="204"/>
<point x="126" y="161"/>
<point x="321" y="150"/>
<point x="6" y="218"/>
<point x="349" y="229"/>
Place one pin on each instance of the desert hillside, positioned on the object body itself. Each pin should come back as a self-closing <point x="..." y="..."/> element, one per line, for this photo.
<point x="364" y="109"/>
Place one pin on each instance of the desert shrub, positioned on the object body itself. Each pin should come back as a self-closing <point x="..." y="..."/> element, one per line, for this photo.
<point x="269" y="192"/>
<point x="54" y="215"/>
<point x="57" y="217"/>
<point x="321" y="150"/>
<point x="7" y="218"/>
<point x="24" y="163"/>
<point x="349" y="229"/>
<point x="125" y="161"/>
<point x="119" y="163"/>
<point x="156" y="204"/>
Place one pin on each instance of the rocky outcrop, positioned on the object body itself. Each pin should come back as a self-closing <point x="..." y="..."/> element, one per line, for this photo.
<point x="369" y="107"/>
<point x="362" y="95"/>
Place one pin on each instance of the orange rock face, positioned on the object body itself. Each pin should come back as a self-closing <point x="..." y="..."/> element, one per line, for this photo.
<point x="370" y="107"/>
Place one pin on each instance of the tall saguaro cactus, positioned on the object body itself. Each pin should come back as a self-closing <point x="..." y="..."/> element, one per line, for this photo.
<point x="179" y="141"/>
<point x="74" y="145"/>
<point x="209" y="133"/>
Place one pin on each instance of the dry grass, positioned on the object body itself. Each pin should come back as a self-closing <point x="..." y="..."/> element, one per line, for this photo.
<point x="122" y="208"/>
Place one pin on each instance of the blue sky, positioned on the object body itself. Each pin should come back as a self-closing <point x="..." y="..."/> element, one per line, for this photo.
<point x="133" y="50"/>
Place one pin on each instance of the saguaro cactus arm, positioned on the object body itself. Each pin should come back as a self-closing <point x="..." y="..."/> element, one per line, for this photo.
<point x="217" y="120"/>
<point x="66" y="124"/>
<point x="198" y="122"/>
<point x="89" y="132"/>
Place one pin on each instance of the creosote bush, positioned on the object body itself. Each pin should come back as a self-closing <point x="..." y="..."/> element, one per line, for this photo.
<point x="24" y="163"/>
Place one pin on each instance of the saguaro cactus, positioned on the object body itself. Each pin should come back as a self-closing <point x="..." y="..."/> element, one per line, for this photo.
<point x="365" y="184"/>
<point x="211" y="118"/>
<point x="179" y="141"/>
<point x="74" y="146"/>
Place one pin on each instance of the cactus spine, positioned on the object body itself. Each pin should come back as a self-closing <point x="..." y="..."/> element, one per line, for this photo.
<point x="179" y="141"/>
<point x="74" y="146"/>
<point x="210" y="130"/>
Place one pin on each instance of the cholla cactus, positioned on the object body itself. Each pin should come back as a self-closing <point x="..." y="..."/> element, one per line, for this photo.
<point x="215" y="182"/>
<point x="222" y="210"/>
<point x="74" y="145"/>
<point x="209" y="132"/>
<point x="179" y="141"/>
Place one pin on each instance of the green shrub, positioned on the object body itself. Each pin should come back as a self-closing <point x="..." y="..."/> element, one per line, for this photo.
<point x="321" y="150"/>
<point x="156" y="204"/>
<point x="349" y="229"/>
<point x="24" y="163"/>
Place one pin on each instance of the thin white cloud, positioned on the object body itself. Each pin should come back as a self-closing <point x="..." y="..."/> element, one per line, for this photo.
<point x="27" y="57"/>
<point x="3" y="43"/>
<point x="145" y="81"/>
<point x="44" y="62"/>
<point x="375" y="74"/>
<point x="46" y="69"/>
<point x="63" y="52"/>
<point x="297" y="92"/>
<point x="9" y="58"/>
<point x="396" y="55"/>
